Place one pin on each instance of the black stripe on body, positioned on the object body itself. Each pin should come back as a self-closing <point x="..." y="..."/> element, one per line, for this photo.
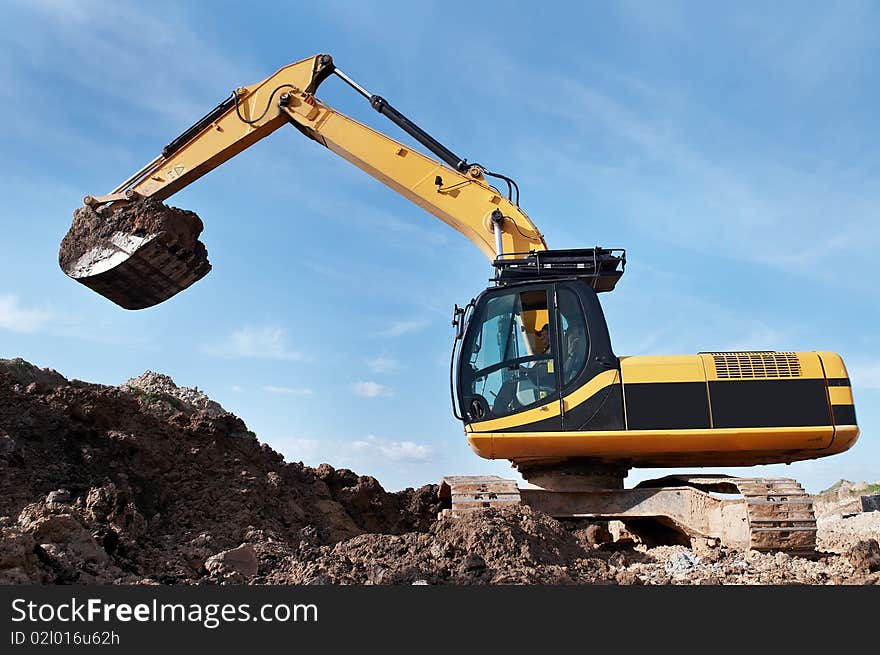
<point x="601" y="411"/>
<point x="684" y="406"/>
<point x="552" y="424"/>
<point x="666" y="406"/>
<point x="769" y="403"/>
<point x="844" y="414"/>
<point x="838" y="382"/>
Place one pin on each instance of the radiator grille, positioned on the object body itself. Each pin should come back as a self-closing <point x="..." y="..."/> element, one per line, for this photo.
<point x="744" y="365"/>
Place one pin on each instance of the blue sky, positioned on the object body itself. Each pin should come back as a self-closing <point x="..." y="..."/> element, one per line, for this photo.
<point x="732" y="150"/>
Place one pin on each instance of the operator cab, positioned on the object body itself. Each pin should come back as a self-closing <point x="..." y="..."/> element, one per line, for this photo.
<point x="539" y="334"/>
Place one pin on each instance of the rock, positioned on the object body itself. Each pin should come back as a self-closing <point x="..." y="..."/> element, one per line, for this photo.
<point x="473" y="564"/>
<point x="597" y="534"/>
<point x="7" y="444"/>
<point x="114" y="506"/>
<point x="865" y="556"/>
<point x="338" y="525"/>
<point x="160" y="393"/>
<point x="59" y="496"/>
<point x="16" y="549"/>
<point x="242" y="560"/>
<point x="64" y="534"/>
<point x="441" y="549"/>
<point x="620" y="534"/>
<point x="617" y="560"/>
<point x="682" y="563"/>
<point x="628" y="578"/>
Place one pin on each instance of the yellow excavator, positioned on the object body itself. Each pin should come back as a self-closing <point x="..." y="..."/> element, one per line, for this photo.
<point x="533" y="375"/>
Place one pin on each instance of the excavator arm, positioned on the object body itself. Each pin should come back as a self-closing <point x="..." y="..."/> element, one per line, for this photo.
<point x="455" y="192"/>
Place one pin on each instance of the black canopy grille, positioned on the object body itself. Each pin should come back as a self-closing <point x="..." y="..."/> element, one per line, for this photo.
<point x="744" y="365"/>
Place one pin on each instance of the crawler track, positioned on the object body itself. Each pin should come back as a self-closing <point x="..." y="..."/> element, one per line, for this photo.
<point x="772" y="514"/>
<point x="780" y="514"/>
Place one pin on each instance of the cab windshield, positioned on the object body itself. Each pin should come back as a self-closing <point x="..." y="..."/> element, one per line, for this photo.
<point x="508" y="361"/>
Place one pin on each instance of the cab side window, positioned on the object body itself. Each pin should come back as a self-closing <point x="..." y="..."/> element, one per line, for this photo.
<point x="575" y="336"/>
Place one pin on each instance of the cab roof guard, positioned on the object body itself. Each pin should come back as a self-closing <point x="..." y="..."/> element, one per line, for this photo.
<point x="601" y="267"/>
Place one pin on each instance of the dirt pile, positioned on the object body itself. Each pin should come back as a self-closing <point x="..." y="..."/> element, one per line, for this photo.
<point x="497" y="546"/>
<point x="115" y="484"/>
<point x="149" y="482"/>
<point x="137" y="254"/>
<point x="518" y="546"/>
<point x="838" y="532"/>
<point x="25" y="373"/>
<point x="843" y="497"/>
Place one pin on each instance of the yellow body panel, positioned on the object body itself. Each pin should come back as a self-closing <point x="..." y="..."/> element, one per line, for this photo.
<point x="662" y="368"/>
<point x="844" y="438"/>
<point x="840" y="395"/>
<point x="653" y="448"/>
<point x="833" y="365"/>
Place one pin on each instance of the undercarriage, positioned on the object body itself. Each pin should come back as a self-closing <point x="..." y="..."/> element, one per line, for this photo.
<point x="767" y="514"/>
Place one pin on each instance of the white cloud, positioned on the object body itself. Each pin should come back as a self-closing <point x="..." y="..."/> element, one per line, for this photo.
<point x="398" y="451"/>
<point x="236" y="388"/>
<point x="298" y="449"/>
<point x="18" y="317"/>
<point x="15" y="317"/>
<point x="288" y="391"/>
<point x="267" y="342"/>
<point x="399" y="328"/>
<point x="383" y="364"/>
<point x="369" y="389"/>
<point x="370" y="451"/>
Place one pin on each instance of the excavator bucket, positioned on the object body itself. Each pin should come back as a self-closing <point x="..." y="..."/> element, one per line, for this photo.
<point x="138" y="254"/>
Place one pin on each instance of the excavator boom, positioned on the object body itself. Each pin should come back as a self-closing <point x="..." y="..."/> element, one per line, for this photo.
<point x="140" y="270"/>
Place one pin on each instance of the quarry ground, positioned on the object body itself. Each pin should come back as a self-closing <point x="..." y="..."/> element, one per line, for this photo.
<point x="151" y="483"/>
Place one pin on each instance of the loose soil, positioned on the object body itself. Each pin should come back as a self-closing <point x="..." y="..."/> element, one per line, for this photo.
<point x="95" y="236"/>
